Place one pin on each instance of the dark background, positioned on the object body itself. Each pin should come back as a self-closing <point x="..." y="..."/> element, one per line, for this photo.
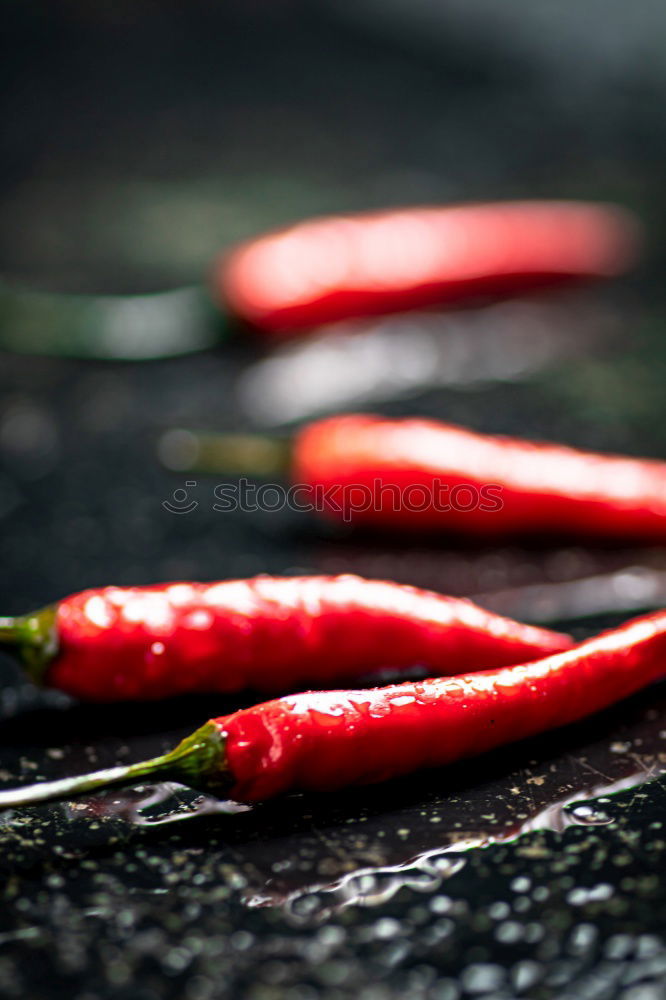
<point x="138" y="140"/>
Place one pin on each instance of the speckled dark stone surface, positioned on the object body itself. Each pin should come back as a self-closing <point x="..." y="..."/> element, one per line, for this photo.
<point x="140" y="138"/>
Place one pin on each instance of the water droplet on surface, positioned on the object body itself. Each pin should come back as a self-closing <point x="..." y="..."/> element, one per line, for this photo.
<point x="482" y="977"/>
<point x="588" y="815"/>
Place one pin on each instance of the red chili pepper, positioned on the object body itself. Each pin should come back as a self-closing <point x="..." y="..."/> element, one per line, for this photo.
<point x="268" y="633"/>
<point x="423" y="475"/>
<point x="491" y="485"/>
<point x="321" y="741"/>
<point x="327" y="269"/>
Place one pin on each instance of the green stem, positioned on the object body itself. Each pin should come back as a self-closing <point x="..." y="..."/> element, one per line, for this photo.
<point x="238" y="454"/>
<point x="8" y="630"/>
<point x="33" y="638"/>
<point x="121" y="327"/>
<point x="199" y="761"/>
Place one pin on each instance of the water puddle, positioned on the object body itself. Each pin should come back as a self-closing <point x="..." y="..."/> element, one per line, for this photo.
<point x="157" y="805"/>
<point x="426" y="872"/>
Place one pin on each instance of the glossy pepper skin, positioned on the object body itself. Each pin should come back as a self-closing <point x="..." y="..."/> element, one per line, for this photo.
<point x="451" y="479"/>
<point x="328" y="269"/>
<point x="320" y="741"/>
<point x="271" y="634"/>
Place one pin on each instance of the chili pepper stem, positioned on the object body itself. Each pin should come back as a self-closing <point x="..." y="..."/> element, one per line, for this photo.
<point x="198" y="761"/>
<point x="7" y="629"/>
<point x="33" y="639"/>
<point x="240" y="454"/>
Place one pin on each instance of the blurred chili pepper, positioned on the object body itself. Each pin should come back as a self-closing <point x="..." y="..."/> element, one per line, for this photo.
<point x="320" y="741"/>
<point x="333" y="268"/>
<point x="268" y="633"/>
<point x="424" y="475"/>
<point x="327" y="269"/>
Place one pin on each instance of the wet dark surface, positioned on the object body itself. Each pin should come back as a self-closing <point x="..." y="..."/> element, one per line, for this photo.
<point x="535" y="872"/>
